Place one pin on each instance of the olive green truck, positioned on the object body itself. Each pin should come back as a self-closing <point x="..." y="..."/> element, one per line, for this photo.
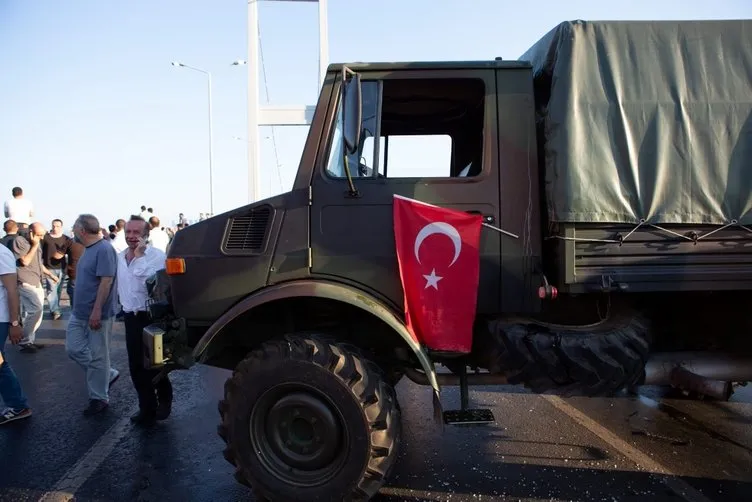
<point x="612" y="168"/>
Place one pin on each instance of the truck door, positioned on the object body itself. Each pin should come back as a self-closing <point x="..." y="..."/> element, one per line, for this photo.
<point x="428" y="134"/>
<point x="519" y="200"/>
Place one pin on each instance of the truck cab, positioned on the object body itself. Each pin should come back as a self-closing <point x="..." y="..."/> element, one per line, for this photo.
<point x="321" y="258"/>
<point x="457" y="134"/>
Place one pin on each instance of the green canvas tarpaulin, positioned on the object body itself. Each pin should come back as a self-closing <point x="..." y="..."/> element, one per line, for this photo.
<point x="646" y="120"/>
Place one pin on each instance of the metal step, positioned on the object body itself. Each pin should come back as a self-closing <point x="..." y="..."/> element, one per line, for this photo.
<point x="468" y="417"/>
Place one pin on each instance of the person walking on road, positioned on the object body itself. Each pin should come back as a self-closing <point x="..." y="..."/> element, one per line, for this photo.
<point x="136" y="264"/>
<point x="19" y="209"/>
<point x="11" y="232"/>
<point x="31" y="271"/>
<point x="118" y="242"/>
<point x="16" y="406"/>
<point x="87" y="338"/>
<point x="158" y="238"/>
<point x="75" y="251"/>
<point x="54" y="247"/>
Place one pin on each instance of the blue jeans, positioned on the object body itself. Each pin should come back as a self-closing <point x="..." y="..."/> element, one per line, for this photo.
<point x="54" y="290"/>
<point x="91" y="350"/>
<point x="10" y="388"/>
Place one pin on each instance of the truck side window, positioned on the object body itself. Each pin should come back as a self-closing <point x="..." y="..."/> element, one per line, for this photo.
<point x="429" y="128"/>
<point x="414" y="155"/>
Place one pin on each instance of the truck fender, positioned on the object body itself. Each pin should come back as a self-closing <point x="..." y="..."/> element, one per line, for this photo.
<point x="322" y="289"/>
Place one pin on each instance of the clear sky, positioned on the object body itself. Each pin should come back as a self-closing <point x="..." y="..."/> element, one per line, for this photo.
<point x="94" y="119"/>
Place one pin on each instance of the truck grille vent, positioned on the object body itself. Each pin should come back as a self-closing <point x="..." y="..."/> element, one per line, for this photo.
<point x="248" y="233"/>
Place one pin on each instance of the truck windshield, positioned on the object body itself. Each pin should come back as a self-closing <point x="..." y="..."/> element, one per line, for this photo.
<point x="360" y="165"/>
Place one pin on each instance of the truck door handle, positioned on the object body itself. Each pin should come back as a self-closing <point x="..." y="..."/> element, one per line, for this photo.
<point x="487" y="218"/>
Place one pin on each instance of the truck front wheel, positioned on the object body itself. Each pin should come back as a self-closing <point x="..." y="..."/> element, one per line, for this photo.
<point x="307" y="419"/>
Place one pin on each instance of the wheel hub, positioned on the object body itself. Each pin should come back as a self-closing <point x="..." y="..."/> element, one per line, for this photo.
<point x="303" y="432"/>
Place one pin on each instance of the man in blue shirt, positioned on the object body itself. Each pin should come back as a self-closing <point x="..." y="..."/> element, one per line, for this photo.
<point x="87" y="339"/>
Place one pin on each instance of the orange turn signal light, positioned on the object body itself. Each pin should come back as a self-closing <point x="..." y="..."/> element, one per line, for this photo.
<point x="175" y="266"/>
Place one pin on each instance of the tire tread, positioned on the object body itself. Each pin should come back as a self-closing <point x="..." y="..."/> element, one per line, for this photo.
<point x="366" y="383"/>
<point x="596" y="360"/>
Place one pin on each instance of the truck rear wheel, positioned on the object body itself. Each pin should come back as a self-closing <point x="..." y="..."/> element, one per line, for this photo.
<point x="593" y="360"/>
<point x="306" y="419"/>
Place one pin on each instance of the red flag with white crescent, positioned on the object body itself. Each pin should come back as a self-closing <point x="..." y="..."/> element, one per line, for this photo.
<point x="439" y="262"/>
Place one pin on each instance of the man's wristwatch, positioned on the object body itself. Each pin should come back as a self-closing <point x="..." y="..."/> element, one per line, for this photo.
<point x="15" y="323"/>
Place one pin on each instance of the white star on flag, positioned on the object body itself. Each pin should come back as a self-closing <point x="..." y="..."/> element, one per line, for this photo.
<point x="432" y="280"/>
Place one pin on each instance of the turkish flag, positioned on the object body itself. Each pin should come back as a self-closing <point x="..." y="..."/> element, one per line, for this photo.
<point x="439" y="262"/>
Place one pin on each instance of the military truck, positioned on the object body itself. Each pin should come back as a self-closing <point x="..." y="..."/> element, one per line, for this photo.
<point x="612" y="166"/>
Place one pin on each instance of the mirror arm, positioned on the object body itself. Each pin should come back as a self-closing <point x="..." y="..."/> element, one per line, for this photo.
<point x="352" y="190"/>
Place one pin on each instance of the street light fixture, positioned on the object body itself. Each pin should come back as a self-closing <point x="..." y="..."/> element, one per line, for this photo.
<point x="211" y="136"/>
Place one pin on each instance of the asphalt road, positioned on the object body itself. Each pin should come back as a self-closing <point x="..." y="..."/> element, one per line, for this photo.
<point x="540" y="448"/>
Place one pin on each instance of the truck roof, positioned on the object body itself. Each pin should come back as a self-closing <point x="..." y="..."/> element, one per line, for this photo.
<point x="523" y="61"/>
<point x="429" y="65"/>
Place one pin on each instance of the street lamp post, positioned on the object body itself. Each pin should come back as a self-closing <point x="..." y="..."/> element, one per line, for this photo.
<point x="211" y="135"/>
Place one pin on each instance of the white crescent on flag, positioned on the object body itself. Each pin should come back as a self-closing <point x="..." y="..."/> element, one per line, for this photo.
<point x="439" y="227"/>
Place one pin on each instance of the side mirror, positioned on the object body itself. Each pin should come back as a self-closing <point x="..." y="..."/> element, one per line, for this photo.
<point x="352" y="111"/>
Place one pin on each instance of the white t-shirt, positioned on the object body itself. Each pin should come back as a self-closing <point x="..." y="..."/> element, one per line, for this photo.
<point x="7" y="266"/>
<point x="19" y="210"/>
<point x="119" y="242"/>
<point x="159" y="239"/>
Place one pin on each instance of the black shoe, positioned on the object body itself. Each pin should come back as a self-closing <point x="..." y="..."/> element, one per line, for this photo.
<point x="95" y="406"/>
<point x="28" y="348"/>
<point x="10" y="414"/>
<point x="38" y="345"/>
<point x="143" y="418"/>
<point x="164" y="409"/>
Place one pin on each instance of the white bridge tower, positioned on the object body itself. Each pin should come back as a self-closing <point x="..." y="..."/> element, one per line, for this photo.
<point x="275" y="116"/>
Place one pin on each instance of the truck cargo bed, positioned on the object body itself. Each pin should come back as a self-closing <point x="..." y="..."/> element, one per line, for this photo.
<point x="595" y="257"/>
<point x="645" y="120"/>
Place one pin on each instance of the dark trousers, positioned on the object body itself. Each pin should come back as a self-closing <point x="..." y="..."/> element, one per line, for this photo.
<point x="149" y="394"/>
<point x="70" y="288"/>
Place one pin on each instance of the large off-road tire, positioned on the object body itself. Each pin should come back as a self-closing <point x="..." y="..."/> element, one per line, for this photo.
<point x="308" y="419"/>
<point x="594" y="360"/>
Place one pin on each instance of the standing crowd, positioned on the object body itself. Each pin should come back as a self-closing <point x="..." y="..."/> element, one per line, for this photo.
<point x="106" y="275"/>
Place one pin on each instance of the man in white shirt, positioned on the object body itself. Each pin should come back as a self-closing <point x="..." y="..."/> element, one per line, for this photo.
<point x="136" y="264"/>
<point x="19" y="209"/>
<point x="15" y="405"/>
<point x="119" y="241"/>
<point x="158" y="238"/>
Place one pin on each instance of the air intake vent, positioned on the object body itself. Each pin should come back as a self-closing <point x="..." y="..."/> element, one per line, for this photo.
<point x="247" y="234"/>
